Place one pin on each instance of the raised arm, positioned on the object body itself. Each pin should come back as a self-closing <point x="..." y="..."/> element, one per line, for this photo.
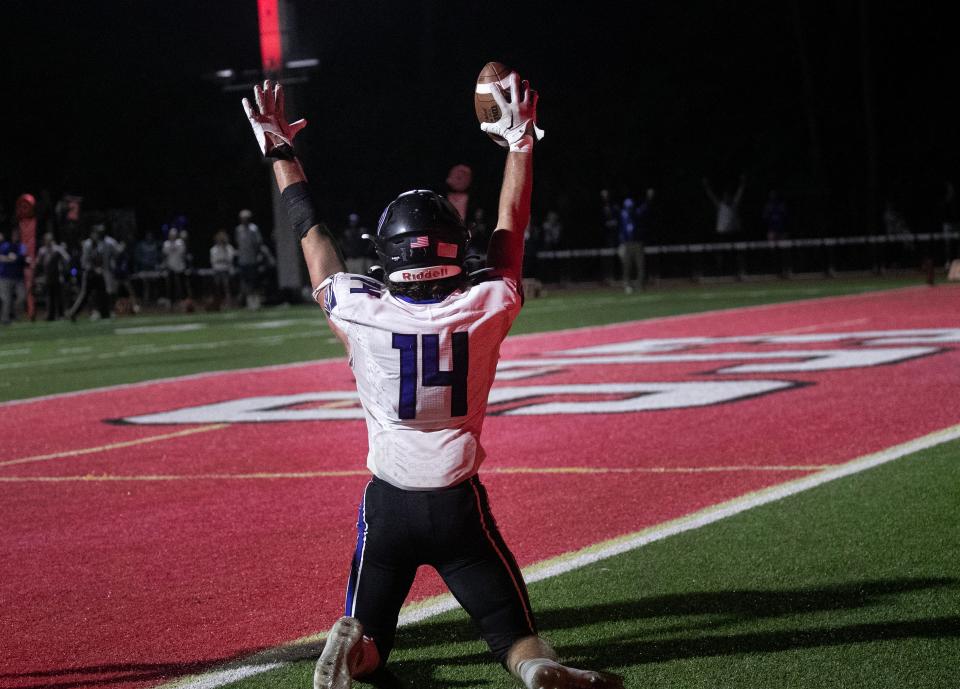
<point x="518" y="126"/>
<point x="275" y="136"/>
<point x="740" y="188"/>
<point x="710" y="194"/>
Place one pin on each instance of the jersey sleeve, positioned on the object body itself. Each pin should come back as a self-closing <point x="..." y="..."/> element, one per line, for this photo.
<point x="342" y="294"/>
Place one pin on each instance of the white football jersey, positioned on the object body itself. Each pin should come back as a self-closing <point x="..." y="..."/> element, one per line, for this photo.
<point x="423" y="372"/>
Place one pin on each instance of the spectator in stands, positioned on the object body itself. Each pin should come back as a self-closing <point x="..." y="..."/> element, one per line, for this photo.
<point x="630" y="249"/>
<point x="187" y="268"/>
<point x="476" y="253"/>
<point x="531" y="247"/>
<point x="27" y="223"/>
<point x="902" y="251"/>
<point x="147" y="262"/>
<point x="222" y="258"/>
<point x="174" y="266"/>
<point x="610" y="226"/>
<point x="727" y="207"/>
<point x="97" y="259"/>
<point x="728" y="225"/>
<point x="459" y="180"/>
<point x="646" y="228"/>
<point x="356" y="249"/>
<point x="893" y="221"/>
<point x="52" y="260"/>
<point x="13" y="261"/>
<point x="146" y="252"/>
<point x="123" y="273"/>
<point x="252" y="253"/>
<point x="552" y="231"/>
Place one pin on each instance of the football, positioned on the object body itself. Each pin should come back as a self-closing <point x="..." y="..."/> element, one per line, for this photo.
<point x="483" y="102"/>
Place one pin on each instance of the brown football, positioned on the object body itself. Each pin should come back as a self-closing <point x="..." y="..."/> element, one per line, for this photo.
<point x="483" y="102"/>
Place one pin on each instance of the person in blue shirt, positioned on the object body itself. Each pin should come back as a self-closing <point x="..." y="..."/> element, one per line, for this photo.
<point x="13" y="260"/>
<point x="634" y="225"/>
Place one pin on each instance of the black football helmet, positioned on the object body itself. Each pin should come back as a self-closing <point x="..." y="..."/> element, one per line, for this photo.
<point x="420" y="237"/>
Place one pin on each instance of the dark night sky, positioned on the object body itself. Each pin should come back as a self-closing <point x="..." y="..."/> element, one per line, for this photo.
<point x="107" y="100"/>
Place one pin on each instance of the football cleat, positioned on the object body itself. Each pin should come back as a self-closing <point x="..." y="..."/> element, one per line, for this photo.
<point x="333" y="668"/>
<point x="556" y="676"/>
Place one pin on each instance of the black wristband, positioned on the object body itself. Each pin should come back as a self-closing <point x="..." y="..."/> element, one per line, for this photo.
<point x="301" y="212"/>
<point x="281" y="152"/>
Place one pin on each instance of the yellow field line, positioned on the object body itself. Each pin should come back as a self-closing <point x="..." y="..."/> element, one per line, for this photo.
<point x="334" y="473"/>
<point x="656" y="470"/>
<point x="339" y="404"/>
<point x="113" y="446"/>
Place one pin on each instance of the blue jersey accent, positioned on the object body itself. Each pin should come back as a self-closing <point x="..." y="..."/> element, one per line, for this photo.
<point x="367" y="286"/>
<point x="357" y="556"/>
<point x="330" y="300"/>
<point x="411" y="300"/>
<point x="407" y="344"/>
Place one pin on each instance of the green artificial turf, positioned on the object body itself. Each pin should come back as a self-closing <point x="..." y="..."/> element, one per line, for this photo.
<point x="854" y="584"/>
<point x="44" y="358"/>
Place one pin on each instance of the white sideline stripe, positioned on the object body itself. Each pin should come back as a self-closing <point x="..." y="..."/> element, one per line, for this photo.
<point x="565" y="331"/>
<point x="222" y="677"/>
<point x="617" y="546"/>
<point x="145" y="350"/>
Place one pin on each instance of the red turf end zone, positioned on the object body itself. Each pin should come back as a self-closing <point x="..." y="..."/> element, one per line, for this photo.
<point x="135" y="553"/>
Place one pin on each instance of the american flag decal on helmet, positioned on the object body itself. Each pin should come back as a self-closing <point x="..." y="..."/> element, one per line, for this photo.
<point x="446" y="250"/>
<point x="420" y="242"/>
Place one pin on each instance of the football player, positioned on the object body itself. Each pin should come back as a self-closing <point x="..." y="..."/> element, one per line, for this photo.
<point x="423" y="345"/>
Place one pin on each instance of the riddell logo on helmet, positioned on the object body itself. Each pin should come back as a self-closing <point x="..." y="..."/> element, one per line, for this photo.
<point x="426" y="274"/>
<point x="422" y="274"/>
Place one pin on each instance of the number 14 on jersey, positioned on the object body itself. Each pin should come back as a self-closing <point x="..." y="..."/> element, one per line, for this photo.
<point x="431" y="376"/>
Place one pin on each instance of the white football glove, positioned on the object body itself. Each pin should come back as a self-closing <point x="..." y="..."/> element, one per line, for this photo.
<point x="269" y="122"/>
<point x="518" y="120"/>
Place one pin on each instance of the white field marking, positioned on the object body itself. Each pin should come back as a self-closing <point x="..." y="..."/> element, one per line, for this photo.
<point x="269" y="325"/>
<point x="15" y="352"/>
<point x="74" y="350"/>
<point x="144" y="349"/>
<point x="560" y="333"/>
<point x="819" y="326"/>
<point x="568" y="562"/>
<point x="112" y="446"/>
<point x="151" y="329"/>
<point x="220" y="678"/>
<point x="340" y="473"/>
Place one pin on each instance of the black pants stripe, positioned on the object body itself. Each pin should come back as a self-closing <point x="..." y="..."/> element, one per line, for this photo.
<point x="452" y="530"/>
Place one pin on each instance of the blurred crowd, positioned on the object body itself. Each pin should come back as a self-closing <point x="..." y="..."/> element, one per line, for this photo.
<point x="58" y="260"/>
